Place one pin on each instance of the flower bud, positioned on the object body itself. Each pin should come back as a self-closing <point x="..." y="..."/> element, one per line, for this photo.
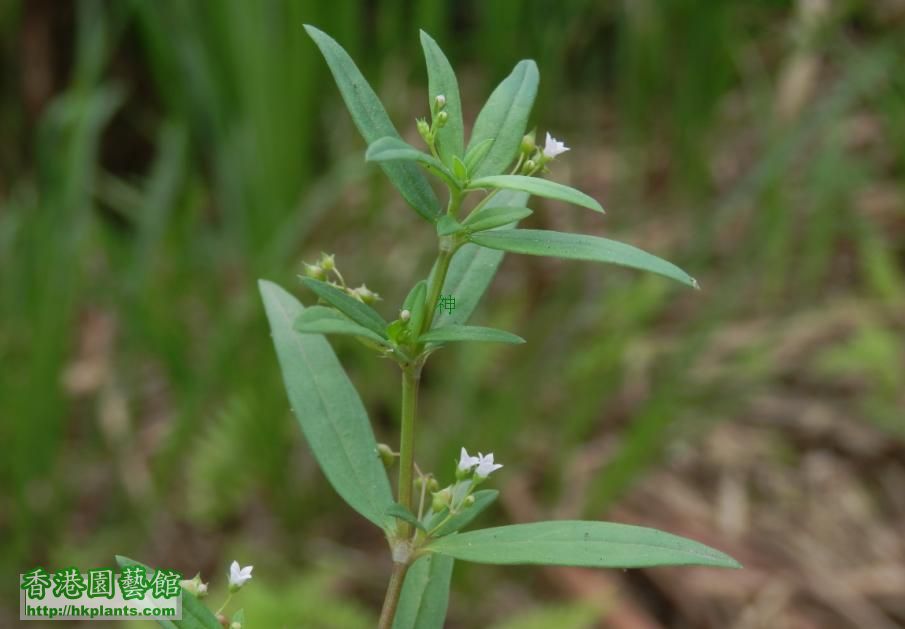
<point x="424" y="129"/>
<point x="327" y="262"/>
<point x="442" y="117"/>
<point x="364" y="294"/>
<point x="529" y="166"/>
<point x="433" y="484"/>
<point x="195" y="586"/>
<point x="440" y="101"/>
<point x="441" y="500"/>
<point x="314" y="270"/>
<point x="235" y="625"/>
<point x="386" y="455"/>
<point x="527" y="146"/>
<point x="405" y="315"/>
<point x="469" y="500"/>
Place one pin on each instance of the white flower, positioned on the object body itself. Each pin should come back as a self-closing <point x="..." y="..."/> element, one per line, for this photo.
<point x="553" y="147"/>
<point x="486" y="466"/>
<point x="467" y="463"/>
<point x="238" y="576"/>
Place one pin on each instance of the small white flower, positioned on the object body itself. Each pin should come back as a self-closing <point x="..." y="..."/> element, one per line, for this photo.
<point x="440" y="100"/>
<point x="239" y="576"/>
<point x="553" y="147"/>
<point x="467" y="463"/>
<point x="486" y="466"/>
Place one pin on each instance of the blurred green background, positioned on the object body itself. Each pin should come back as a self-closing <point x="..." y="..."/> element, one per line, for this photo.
<point x="160" y="156"/>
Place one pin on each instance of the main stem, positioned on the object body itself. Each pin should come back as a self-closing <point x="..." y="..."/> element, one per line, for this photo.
<point x="394" y="589"/>
<point x="411" y="378"/>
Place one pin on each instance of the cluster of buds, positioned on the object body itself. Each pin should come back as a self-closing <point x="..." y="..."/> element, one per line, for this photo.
<point x="439" y="118"/>
<point x="470" y="472"/>
<point x="533" y="158"/>
<point x="325" y="270"/>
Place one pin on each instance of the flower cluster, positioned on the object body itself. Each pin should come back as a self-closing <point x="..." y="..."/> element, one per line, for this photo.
<point x="325" y="270"/>
<point x="482" y="465"/>
<point x="533" y="159"/>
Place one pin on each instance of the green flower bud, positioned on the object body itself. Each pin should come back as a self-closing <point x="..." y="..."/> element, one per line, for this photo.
<point x="529" y="166"/>
<point x="527" y="146"/>
<point x="433" y="484"/>
<point x="195" y="586"/>
<point x="469" y="500"/>
<point x="314" y="270"/>
<point x="440" y="101"/>
<point x="441" y="499"/>
<point x="327" y="262"/>
<point x="364" y="294"/>
<point x="442" y="117"/>
<point x="386" y="455"/>
<point x="424" y="129"/>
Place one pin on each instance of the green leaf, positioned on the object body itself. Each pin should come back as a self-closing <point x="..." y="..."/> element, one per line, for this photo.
<point x="472" y="269"/>
<point x="328" y="409"/>
<point x="448" y="225"/>
<point x="504" y="118"/>
<point x="490" y="217"/>
<point x="538" y="242"/>
<point x="419" y="308"/>
<point x="425" y="594"/>
<point x="195" y="615"/>
<point x="579" y="543"/>
<point x="459" y="169"/>
<point x="539" y="187"/>
<point x="397" y="510"/>
<point x="453" y="333"/>
<point x="476" y="153"/>
<point x="359" y="312"/>
<point x="323" y="320"/>
<point x="482" y="499"/>
<point x="409" y="302"/>
<point x="441" y="79"/>
<point x="373" y="123"/>
<point x="391" y="149"/>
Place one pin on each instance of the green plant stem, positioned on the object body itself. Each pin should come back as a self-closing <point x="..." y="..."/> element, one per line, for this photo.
<point x="391" y="600"/>
<point x="411" y="376"/>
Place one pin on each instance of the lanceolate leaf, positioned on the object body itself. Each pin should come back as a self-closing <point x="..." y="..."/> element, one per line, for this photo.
<point x="323" y="320"/>
<point x="476" y="153"/>
<point x="397" y="510"/>
<point x="442" y="80"/>
<point x="425" y="594"/>
<point x="390" y="149"/>
<point x="454" y="333"/>
<point x="539" y="187"/>
<point x="490" y="217"/>
<point x="359" y="312"/>
<point x="579" y="543"/>
<point x="373" y="123"/>
<point x="472" y="270"/>
<point x="482" y="499"/>
<point x="195" y="614"/>
<point x="328" y="409"/>
<point x="538" y="242"/>
<point x="504" y="118"/>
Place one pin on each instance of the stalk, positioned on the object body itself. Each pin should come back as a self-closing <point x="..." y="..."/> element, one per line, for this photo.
<point x="391" y="600"/>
